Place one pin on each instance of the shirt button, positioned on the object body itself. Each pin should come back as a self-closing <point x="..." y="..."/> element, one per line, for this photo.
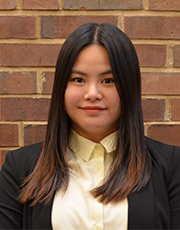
<point x="98" y="168"/>
<point x="97" y="227"/>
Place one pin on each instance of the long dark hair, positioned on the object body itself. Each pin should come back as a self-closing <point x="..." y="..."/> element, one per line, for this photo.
<point x="131" y="167"/>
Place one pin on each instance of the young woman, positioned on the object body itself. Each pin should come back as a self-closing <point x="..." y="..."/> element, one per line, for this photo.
<point x="95" y="169"/>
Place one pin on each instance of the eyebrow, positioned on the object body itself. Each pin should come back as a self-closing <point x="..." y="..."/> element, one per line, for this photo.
<point x="106" y="72"/>
<point x="78" y="72"/>
<point x="82" y="73"/>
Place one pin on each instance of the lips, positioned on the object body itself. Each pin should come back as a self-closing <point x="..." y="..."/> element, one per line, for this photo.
<point x="93" y="109"/>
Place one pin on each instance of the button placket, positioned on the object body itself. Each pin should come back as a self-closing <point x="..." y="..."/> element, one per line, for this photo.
<point x="96" y="207"/>
<point x="98" y="153"/>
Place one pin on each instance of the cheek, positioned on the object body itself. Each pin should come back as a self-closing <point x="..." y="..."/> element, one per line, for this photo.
<point x="116" y="104"/>
<point x="67" y="99"/>
<point x="71" y="98"/>
<point x="114" y="98"/>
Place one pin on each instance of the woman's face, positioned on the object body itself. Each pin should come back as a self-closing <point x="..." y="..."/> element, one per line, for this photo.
<point x="91" y="98"/>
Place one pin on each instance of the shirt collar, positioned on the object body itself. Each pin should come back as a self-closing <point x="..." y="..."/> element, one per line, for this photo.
<point x="83" y="147"/>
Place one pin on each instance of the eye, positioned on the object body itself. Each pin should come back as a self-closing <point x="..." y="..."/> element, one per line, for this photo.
<point x="78" y="79"/>
<point x="108" y="80"/>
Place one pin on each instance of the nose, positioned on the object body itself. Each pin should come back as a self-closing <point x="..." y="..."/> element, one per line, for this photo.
<point x="93" y="93"/>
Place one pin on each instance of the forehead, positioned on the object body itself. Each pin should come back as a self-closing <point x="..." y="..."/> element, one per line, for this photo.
<point x="93" y="55"/>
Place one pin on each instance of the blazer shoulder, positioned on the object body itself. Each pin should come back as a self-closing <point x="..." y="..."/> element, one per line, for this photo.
<point x="163" y="155"/>
<point x="160" y="150"/>
<point x="154" y="146"/>
<point x="28" y="151"/>
<point x="24" y="159"/>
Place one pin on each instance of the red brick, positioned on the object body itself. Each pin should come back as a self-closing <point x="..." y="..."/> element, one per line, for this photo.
<point x="161" y="83"/>
<point x="29" y="54"/>
<point x="27" y="109"/>
<point x="152" y="27"/>
<point x="0" y="53"/>
<point x="17" y="82"/>
<point x="63" y="26"/>
<point x="0" y="109"/>
<point x="169" y="134"/>
<point x="48" y="79"/>
<point x="120" y="5"/>
<point x="18" y="27"/>
<point x="176" y="56"/>
<point x="34" y="134"/>
<point x="175" y="109"/>
<point x="7" y="4"/>
<point x="81" y="5"/>
<point x="153" y="109"/>
<point x="151" y="55"/>
<point x="164" y="5"/>
<point x="102" y="5"/>
<point x="8" y="135"/>
<point x="40" y="4"/>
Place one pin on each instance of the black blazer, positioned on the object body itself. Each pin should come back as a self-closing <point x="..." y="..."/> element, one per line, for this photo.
<point x="155" y="207"/>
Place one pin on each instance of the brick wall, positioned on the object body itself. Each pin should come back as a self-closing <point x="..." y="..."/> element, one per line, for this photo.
<point x="31" y="35"/>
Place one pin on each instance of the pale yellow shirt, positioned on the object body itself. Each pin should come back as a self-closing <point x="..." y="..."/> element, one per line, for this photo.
<point x="77" y="209"/>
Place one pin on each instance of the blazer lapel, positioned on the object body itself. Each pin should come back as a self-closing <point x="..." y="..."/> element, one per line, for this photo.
<point x="38" y="216"/>
<point x="42" y="216"/>
<point x="149" y="208"/>
<point x="141" y="213"/>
